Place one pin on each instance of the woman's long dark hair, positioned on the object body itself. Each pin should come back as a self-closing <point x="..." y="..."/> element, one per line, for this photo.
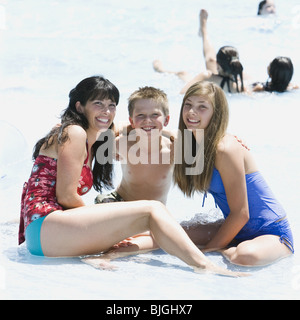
<point x="281" y="71"/>
<point x="228" y="59"/>
<point x="260" y="7"/>
<point x="91" y="88"/>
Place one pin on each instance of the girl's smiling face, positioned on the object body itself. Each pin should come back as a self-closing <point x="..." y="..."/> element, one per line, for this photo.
<point x="197" y="112"/>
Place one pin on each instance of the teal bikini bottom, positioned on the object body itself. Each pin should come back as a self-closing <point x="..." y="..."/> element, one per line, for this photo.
<point x="33" y="237"/>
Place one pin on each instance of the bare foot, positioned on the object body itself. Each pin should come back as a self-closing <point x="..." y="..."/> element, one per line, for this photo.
<point x="203" y="21"/>
<point x="157" y="66"/>
<point x="183" y="75"/>
<point x="99" y="263"/>
<point x="214" y="269"/>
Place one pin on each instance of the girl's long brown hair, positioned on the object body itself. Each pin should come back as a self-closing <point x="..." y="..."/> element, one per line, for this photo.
<point x="212" y="136"/>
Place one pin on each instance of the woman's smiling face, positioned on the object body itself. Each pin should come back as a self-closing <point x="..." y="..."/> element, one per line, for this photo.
<point x="100" y="113"/>
<point x="197" y="112"/>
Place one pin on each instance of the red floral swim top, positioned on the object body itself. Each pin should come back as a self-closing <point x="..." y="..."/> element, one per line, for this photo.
<point x="39" y="193"/>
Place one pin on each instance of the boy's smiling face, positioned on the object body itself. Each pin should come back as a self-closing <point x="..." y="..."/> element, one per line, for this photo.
<point x="148" y="115"/>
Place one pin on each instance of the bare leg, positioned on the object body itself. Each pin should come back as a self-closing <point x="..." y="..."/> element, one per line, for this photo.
<point x="209" y="52"/>
<point x="93" y="229"/>
<point x="260" y="251"/>
<point x="209" y="55"/>
<point x="183" y="75"/>
<point x="199" y="233"/>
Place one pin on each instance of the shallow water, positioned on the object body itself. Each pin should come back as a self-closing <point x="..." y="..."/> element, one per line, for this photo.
<point x="46" y="51"/>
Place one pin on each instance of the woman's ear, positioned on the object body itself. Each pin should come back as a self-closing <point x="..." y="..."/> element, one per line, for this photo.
<point x="79" y="107"/>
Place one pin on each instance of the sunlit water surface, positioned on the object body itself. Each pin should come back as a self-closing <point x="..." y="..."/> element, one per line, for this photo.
<point x="47" y="47"/>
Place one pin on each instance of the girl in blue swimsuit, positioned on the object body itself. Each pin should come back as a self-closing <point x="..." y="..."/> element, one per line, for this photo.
<point x="253" y="217"/>
<point x="54" y="220"/>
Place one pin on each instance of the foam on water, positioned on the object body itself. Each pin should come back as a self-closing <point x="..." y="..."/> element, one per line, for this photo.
<point x="46" y="51"/>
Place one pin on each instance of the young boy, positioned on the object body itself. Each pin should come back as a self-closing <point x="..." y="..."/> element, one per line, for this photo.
<point x="146" y="155"/>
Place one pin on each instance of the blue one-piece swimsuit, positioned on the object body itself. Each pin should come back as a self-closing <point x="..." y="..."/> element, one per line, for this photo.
<point x="266" y="214"/>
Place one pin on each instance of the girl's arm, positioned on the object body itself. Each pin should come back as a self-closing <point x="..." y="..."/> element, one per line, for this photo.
<point x="230" y="164"/>
<point x="71" y="156"/>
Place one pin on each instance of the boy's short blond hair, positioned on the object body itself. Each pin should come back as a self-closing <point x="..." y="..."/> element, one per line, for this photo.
<point x="155" y="94"/>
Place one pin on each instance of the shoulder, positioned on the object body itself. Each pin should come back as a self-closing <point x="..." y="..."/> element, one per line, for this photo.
<point x="76" y="133"/>
<point x="75" y="145"/>
<point x="228" y="144"/>
<point x="229" y="151"/>
<point x="230" y="164"/>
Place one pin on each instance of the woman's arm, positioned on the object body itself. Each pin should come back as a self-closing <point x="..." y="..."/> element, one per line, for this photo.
<point x="230" y="164"/>
<point x="292" y="86"/>
<point x="71" y="156"/>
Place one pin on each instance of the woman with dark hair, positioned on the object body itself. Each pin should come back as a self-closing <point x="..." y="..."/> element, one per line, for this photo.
<point x="280" y="72"/>
<point x="229" y="66"/>
<point x="88" y="89"/>
<point x="54" y="220"/>
<point x="266" y="7"/>
<point x="221" y="68"/>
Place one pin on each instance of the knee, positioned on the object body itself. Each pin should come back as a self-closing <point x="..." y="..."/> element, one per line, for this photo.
<point x="245" y="255"/>
<point x="151" y="206"/>
<point x="156" y="209"/>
